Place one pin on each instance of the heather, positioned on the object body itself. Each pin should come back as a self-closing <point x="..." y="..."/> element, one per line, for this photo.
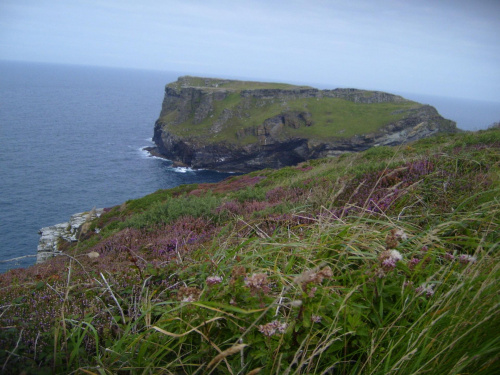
<point x="378" y="262"/>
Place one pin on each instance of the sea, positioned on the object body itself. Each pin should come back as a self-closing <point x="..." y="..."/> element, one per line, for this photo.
<point x="72" y="138"/>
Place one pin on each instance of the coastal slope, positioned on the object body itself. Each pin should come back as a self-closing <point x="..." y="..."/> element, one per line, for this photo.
<point x="242" y="126"/>
<point x="357" y="260"/>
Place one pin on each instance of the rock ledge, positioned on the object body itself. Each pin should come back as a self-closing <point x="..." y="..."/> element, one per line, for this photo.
<point x="48" y="245"/>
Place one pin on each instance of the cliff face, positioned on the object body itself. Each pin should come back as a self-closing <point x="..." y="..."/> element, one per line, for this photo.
<point x="51" y="237"/>
<point x="244" y="126"/>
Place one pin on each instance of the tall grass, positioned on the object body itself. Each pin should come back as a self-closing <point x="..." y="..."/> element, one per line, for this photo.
<point x="384" y="262"/>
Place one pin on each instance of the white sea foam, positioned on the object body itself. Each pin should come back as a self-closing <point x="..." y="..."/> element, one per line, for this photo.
<point x="183" y="169"/>
<point x="147" y="155"/>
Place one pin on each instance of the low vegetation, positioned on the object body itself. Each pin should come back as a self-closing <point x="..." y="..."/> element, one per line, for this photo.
<point x="381" y="262"/>
<point x="332" y="118"/>
<point x="234" y="118"/>
<point x="214" y="83"/>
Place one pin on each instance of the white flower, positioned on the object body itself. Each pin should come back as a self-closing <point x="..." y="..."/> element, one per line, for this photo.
<point x="395" y="255"/>
<point x="401" y="235"/>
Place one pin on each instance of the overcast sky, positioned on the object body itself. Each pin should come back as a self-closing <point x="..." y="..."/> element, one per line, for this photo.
<point x="436" y="47"/>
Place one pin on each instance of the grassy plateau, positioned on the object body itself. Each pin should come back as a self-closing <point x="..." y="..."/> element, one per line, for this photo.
<point x="329" y="117"/>
<point x="381" y="262"/>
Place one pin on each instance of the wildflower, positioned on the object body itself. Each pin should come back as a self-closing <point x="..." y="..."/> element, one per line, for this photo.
<point x="408" y="284"/>
<point x="188" y="294"/>
<point x="394" y="238"/>
<point x="396" y="255"/>
<point x="257" y="283"/>
<point x="465" y="258"/>
<point x="313" y="276"/>
<point x="400" y="234"/>
<point x="213" y="280"/>
<point x="413" y="263"/>
<point x="389" y="258"/>
<point x="449" y="256"/>
<point x="272" y="328"/>
<point x="316" y="318"/>
<point x="389" y="263"/>
<point x="428" y="289"/>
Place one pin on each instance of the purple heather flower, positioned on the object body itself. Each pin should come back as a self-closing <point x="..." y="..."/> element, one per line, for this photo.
<point x="389" y="263"/>
<point x="389" y="258"/>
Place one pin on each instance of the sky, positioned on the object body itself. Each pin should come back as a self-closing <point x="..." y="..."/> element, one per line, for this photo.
<point x="434" y="47"/>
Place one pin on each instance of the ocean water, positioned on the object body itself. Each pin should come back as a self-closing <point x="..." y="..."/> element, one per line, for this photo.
<point x="71" y="138"/>
<point x="468" y="114"/>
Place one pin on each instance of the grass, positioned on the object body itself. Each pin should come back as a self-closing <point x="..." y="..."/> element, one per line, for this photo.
<point x="382" y="262"/>
<point x="215" y="83"/>
<point x="332" y="118"/>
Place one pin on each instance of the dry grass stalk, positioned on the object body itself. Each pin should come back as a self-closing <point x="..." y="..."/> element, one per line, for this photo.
<point x="195" y="329"/>
<point x="255" y="371"/>
<point x="226" y="353"/>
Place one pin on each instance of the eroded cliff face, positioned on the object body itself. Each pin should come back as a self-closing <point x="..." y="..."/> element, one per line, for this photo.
<point x="226" y="126"/>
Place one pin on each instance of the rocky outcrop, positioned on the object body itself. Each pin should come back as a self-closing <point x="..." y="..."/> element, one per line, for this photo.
<point x="245" y="126"/>
<point x="51" y="237"/>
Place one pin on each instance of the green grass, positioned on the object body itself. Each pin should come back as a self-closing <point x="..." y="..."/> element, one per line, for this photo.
<point x="332" y="118"/>
<point x="215" y="83"/>
<point x="280" y="272"/>
<point x="337" y="118"/>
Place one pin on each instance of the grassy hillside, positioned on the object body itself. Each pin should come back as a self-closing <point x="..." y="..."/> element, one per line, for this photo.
<point x="332" y="118"/>
<point x="382" y="262"/>
<point x="227" y="84"/>
<point x="329" y="118"/>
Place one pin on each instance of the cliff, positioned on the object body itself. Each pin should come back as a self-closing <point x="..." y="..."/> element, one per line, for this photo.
<point x="240" y="126"/>
<point x="52" y="236"/>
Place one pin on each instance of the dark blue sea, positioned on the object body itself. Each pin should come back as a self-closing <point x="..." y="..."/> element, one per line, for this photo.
<point x="71" y="139"/>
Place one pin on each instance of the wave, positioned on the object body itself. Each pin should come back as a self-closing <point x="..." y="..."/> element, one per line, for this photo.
<point x="146" y="154"/>
<point x="183" y="169"/>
